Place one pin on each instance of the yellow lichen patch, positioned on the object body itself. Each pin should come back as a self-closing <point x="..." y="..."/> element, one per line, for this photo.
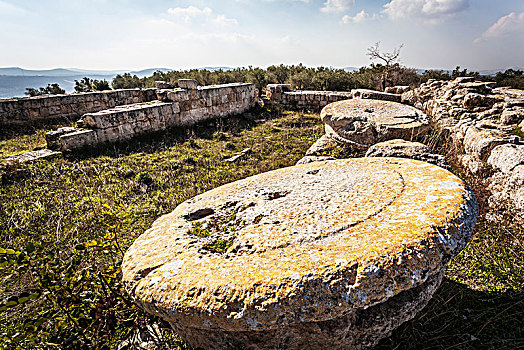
<point x="309" y="243"/>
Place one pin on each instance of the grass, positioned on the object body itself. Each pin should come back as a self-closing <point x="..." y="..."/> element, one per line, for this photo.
<point x="70" y="219"/>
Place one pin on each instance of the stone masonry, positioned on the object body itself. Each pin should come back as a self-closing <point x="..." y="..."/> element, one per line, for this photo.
<point x="282" y="96"/>
<point x="173" y="107"/>
<point x="72" y="106"/>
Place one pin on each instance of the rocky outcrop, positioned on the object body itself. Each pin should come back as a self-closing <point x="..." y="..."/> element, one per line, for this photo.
<point x="407" y="149"/>
<point x="360" y="123"/>
<point x="484" y="126"/>
<point x="327" y="255"/>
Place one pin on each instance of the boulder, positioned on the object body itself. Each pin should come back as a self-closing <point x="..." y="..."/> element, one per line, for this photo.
<point x="480" y="142"/>
<point x="512" y="116"/>
<point x="506" y="157"/>
<point x="407" y="149"/>
<point x="323" y="144"/>
<point x="325" y="255"/>
<point x="474" y="99"/>
<point x="359" y="123"/>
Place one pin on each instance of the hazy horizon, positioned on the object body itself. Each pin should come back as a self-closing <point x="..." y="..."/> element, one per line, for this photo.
<point x="181" y="34"/>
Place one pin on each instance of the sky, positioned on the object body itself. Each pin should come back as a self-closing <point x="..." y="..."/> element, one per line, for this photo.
<point x="180" y="34"/>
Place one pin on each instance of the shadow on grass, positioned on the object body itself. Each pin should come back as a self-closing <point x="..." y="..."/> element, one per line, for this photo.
<point x="219" y="128"/>
<point x="461" y="318"/>
<point x="8" y="132"/>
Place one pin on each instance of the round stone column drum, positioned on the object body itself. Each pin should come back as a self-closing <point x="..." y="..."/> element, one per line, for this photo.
<point x="325" y="255"/>
<point x="360" y="123"/>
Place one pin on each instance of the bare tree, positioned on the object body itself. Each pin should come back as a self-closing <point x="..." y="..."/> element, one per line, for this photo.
<point x="389" y="58"/>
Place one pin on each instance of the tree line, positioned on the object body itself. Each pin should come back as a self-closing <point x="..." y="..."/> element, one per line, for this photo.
<point x="299" y="76"/>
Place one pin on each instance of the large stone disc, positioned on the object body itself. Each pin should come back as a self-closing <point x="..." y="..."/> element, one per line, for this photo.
<point x="308" y="243"/>
<point x="361" y="123"/>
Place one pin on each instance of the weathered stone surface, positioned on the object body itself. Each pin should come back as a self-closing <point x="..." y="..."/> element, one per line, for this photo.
<point x="310" y="244"/>
<point x="33" y="155"/>
<point x="52" y="138"/>
<point x="507" y="157"/>
<point x="375" y="95"/>
<point x="360" y="123"/>
<point x="163" y="85"/>
<point x="479" y="142"/>
<point x="407" y="149"/>
<point x="513" y="116"/>
<point x="187" y="84"/>
<point x="473" y="100"/>
<point x="78" y="139"/>
<point x="488" y="123"/>
<point x="358" y="329"/>
<point x="398" y="90"/>
<point x="508" y="192"/>
<point x="47" y="107"/>
<point x="183" y="107"/>
<point x="311" y="159"/>
<point x="320" y="146"/>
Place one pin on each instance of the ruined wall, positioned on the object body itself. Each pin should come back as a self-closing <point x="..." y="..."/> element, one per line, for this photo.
<point x="284" y="97"/>
<point x="485" y="125"/>
<point x="28" y="109"/>
<point x="176" y="107"/>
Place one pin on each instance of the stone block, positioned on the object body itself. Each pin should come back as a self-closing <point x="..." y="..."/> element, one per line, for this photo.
<point x="78" y="139"/>
<point x="188" y="84"/>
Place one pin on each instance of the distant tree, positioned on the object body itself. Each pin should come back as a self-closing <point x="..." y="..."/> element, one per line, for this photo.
<point x="100" y="85"/>
<point x="463" y="73"/>
<point x="51" y="89"/>
<point x="84" y="85"/>
<point x="388" y="58"/>
<point x="434" y="74"/>
<point x="128" y="81"/>
<point x="511" y="77"/>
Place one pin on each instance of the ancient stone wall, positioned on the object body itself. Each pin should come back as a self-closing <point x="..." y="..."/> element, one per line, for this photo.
<point x="485" y="125"/>
<point x="173" y="108"/>
<point x="72" y="106"/>
<point x="282" y="96"/>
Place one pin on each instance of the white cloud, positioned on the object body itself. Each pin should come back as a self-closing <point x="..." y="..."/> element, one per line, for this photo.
<point x="336" y="5"/>
<point x="192" y="13"/>
<point x="9" y="9"/>
<point x="432" y="10"/>
<point x="360" y="17"/>
<point x="512" y="24"/>
<point x="189" y="13"/>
